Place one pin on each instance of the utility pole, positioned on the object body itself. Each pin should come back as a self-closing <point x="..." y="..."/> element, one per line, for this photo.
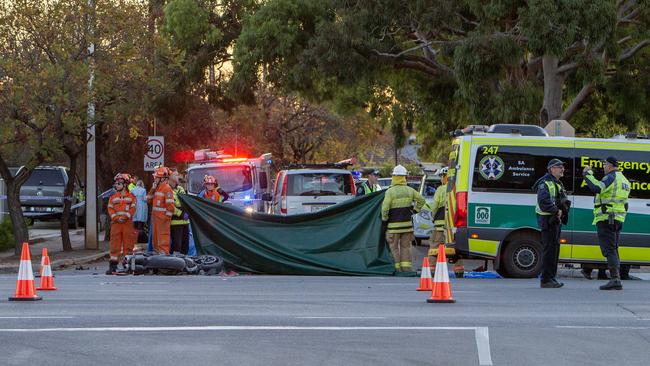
<point x="91" y="241"/>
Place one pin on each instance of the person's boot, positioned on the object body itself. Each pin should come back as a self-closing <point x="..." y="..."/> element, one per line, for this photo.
<point x="112" y="267"/>
<point x="615" y="282"/>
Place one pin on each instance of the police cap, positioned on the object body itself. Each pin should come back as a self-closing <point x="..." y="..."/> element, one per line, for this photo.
<point x="611" y="160"/>
<point x="554" y="162"/>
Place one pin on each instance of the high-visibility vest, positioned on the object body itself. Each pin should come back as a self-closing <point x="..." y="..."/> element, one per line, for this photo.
<point x="397" y="208"/>
<point x="611" y="200"/>
<point x="177" y="218"/>
<point x="121" y="204"/>
<point x="367" y="190"/>
<point x="553" y="189"/>
<point x="439" y="201"/>
<point x="213" y="195"/>
<point x="162" y="202"/>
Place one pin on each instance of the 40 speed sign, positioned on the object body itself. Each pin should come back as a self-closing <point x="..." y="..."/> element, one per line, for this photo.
<point x="155" y="154"/>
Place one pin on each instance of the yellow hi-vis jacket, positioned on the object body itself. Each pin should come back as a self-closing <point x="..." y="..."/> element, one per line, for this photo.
<point x="398" y="205"/>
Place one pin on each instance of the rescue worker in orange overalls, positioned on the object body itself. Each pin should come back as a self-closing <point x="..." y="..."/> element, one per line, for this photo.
<point x="212" y="191"/>
<point x="161" y="200"/>
<point x="121" y="208"/>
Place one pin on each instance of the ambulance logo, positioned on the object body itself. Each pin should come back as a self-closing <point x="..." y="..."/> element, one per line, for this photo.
<point x="492" y="167"/>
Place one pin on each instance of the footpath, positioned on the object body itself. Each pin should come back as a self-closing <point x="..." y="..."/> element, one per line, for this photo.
<point x="59" y="259"/>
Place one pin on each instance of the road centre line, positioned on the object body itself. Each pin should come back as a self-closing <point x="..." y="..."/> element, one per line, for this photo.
<point x="37" y="317"/>
<point x="480" y="333"/>
<point x="597" y="327"/>
<point x="340" y="317"/>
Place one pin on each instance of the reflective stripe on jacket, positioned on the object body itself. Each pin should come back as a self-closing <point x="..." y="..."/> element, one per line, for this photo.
<point x="397" y="207"/>
<point x="611" y="198"/>
<point x="162" y="202"/>
<point x="121" y="205"/>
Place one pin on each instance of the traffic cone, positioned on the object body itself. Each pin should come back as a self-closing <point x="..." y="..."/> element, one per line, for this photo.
<point x="441" y="291"/>
<point x="47" y="280"/>
<point x="25" y="289"/>
<point x="425" y="276"/>
<point x="43" y="255"/>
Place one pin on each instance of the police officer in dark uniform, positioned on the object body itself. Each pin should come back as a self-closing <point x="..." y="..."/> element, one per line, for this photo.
<point x="552" y="205"/>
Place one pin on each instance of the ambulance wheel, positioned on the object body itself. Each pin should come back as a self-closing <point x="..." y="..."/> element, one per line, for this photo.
<point x="522" y="257"/>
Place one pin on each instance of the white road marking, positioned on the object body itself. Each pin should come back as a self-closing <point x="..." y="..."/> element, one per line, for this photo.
<point x="480" y="333"/>
<point x="340" y="317"/>
<point x="596" y="327"/>
<point x="483" y="345"/>
<point x="37" y="317"/>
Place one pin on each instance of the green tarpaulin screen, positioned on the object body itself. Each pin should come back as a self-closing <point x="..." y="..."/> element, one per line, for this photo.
<point x="344" y="239"/>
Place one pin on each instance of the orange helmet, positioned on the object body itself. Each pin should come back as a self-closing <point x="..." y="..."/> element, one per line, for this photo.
<point x="208" y="179"/>
<point x="161" y="172"/>
<point x="123" y="177"/>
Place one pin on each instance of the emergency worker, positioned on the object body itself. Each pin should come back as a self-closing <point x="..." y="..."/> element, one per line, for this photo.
<point x="121" y="208"/>
<point x="439" y="226"/>
<point x="610" y="209"/>
<point x="212" y="191"/>
<point x="396" y="211"/>
<point x="551" y="196"/>
<point x="161" y="199"/>
<point x="180" y="225"/>
<point x="371" y="185"/>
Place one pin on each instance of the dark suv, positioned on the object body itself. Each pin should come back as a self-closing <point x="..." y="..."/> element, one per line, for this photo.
<point x="42" y="195"/>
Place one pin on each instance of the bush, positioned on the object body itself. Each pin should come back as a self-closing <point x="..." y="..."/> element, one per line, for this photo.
<point x="6" y="235"/>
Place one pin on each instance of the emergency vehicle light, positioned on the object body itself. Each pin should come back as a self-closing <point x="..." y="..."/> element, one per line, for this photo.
<point x="233" y="160"/>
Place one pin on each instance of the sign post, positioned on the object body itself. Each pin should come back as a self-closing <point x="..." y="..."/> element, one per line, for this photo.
<point x="155" y="154"/>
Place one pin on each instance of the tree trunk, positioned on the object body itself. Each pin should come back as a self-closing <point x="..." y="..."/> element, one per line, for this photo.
<point x="553" y="83"/>
<point x="21" y="234"/>
<point x="67" y="203"/>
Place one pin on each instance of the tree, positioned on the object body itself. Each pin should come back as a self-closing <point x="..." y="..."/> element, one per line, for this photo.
<point x="54" y="39"/>
<point x="442" y="63"/>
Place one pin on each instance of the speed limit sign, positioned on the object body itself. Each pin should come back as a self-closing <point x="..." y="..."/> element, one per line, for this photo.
<point x="155" y="154"/>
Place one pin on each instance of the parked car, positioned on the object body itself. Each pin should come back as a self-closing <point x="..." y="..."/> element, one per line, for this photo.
<point x="310" y="188"/>
<point x="41" y="196"/>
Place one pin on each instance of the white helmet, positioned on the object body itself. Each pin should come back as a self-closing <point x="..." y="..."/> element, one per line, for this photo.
<point x="399" y="170"/>
<point x="442" y="171"/>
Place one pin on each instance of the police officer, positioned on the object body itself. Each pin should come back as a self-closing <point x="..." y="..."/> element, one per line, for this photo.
<point x="610" y="208"/>
<point x="371" y="185"/>
<point x="550" y="194"/>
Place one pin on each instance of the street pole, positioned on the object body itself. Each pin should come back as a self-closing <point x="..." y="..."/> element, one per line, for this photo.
<point x="91" y="241"/>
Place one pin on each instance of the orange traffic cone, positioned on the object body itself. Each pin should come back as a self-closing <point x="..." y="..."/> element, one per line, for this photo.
<point x="47" y="280"/>
<point x="441" y="291"/>
<point x="25" y="289"/>
<point x="425" y="276"/>
<point x="43" y="255"/>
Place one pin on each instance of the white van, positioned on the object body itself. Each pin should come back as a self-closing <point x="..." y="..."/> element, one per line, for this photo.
<point x="305" y="190"/>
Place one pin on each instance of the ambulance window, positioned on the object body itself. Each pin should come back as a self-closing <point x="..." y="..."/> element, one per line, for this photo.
<point x="516" y="168"/>
<point x="635" y="166"/>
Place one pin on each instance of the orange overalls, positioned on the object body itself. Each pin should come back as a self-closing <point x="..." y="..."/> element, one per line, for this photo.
<point x="123" y="236"/>
<point x="162" y="209"/>
<point x="213" y="195"/>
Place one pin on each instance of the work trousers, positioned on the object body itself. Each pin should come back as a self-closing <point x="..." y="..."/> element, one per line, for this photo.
<point x="550" y="246"/>
<point x="180" y="235"/>
<point x="400" y="246"/>
<point x="437" y="239"/>
<point x="608" y="236"/>
<point x="122" y="239"/>
<point x="160" y="234"/>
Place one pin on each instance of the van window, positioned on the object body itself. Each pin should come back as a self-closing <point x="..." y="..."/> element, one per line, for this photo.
<point x="236" y="178"/>
<point x="516" y="168"/>
<point x="635" y="165"/>
<point x="45" y="177"/>
<point x="319" y="184"/>
<point x="263" y="180"/>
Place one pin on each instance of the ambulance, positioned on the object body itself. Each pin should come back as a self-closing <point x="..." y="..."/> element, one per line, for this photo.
<point x="246" y="180"/>
<point x="491" y="204"/>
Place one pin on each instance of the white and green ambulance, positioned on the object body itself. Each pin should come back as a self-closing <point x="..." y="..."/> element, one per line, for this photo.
<point x="491" y="212"/>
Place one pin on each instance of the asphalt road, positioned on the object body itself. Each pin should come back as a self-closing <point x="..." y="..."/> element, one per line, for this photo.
<point x="277" y="320"/>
